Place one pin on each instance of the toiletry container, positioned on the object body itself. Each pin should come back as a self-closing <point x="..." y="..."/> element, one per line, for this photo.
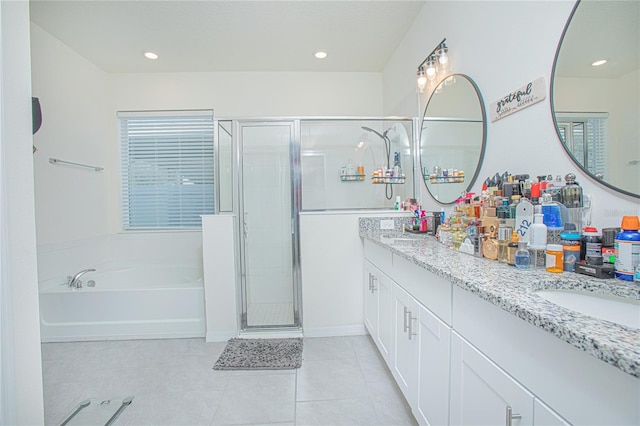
<point x="522" y="257"/>
<point x="608" y="250"/>
<point x="552" y="213"/>
<point x="512" y="248"/>
<point x="627" y="245"/>
<point x="590" y="243"/>
<point x="554" y="262"/>
<point x="570" y="242"/>
<point x="537" y="241"/>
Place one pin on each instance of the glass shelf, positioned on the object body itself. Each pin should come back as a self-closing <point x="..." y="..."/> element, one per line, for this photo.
<point x="352" y="178"/>
<point x="388" y="180"/>
<point x="444" y="179"/>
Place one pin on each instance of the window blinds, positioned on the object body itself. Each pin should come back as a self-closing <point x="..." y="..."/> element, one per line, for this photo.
<point x="586" y="136"/>
<point x="167" y="168"/>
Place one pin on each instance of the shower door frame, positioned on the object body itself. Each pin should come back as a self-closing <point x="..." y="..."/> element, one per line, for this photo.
<point x="296" y="204"/>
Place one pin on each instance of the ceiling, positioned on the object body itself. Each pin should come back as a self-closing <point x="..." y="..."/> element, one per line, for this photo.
<point x="231" y="35"/>
<point x="601" y="30"/>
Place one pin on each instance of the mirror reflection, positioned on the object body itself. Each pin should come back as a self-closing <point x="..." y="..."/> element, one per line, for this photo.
<point x="596" y="92"/>
<point x="452" y="138"/>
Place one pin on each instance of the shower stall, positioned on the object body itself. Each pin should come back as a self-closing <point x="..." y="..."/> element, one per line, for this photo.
<point x="270" y="170"/>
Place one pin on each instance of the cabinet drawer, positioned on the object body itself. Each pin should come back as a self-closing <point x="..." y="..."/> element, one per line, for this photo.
<point x="379" y="256"/>
<point x="430" y="290"/>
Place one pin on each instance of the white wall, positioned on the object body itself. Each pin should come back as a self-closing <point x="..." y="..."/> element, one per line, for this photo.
<point x="502" y="46"/>
<point x="21" y="401"/>
<point x="71" y="202"/>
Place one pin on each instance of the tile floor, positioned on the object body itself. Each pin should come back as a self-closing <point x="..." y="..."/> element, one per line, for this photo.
<point x="342" y="381"/>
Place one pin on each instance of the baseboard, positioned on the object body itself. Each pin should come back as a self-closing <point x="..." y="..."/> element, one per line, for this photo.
<point x="345" y="330"/>
<point x="220" y="336"/>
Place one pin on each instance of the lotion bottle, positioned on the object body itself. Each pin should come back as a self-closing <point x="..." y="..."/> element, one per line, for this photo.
<point x="538" y="232"/>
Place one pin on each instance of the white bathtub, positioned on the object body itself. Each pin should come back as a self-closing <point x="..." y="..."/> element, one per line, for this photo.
<point x="154" y="301"/>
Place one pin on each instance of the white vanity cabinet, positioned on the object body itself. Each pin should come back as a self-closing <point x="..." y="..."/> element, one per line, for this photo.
<point x="421" y="358"/>
<point x="432" y="405"/>
<point x="483" y="394"/>
<point x="378" y="309"/>
<point x="405" y="345"/>
<point x="413" y="340"/>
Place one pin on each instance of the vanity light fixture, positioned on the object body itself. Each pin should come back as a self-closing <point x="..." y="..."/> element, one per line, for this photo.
<point x="436" y="63"/>
<point x="431" y="67"/>
<point x="320" y="54"/>
<point x="598" y="63"/>
<point x="443" y="57"/>
<point x="150" y="55"/>
<point x="422" y="78"/>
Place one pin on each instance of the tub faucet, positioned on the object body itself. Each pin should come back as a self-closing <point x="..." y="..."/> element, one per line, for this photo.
<point x="74" y="282"/>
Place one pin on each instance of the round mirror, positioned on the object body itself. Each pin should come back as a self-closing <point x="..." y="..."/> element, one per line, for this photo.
<point x="452" y="138"/>
<point x="595" y="92"/>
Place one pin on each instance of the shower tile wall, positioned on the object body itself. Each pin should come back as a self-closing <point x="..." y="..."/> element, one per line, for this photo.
<point x="328" y="145"/>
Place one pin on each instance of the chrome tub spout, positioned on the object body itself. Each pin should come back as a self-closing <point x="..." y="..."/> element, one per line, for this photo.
<point x="74" y="282"/>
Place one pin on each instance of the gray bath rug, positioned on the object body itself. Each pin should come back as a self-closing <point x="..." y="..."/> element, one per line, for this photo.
<point x="260" y="354"/>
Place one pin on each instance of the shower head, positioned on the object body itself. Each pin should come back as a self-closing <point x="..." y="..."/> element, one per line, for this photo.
<point x="369" y="129"/>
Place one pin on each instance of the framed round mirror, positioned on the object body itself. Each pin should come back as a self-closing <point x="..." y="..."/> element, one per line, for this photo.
<point x="595" y="92"/>
<point x="453" y="136"/>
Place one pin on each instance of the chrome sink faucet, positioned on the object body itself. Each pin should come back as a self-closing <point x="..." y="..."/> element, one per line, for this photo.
<point x="74" y="282"/>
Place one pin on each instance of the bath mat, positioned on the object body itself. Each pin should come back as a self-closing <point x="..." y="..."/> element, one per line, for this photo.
<point x="260" y="354"/>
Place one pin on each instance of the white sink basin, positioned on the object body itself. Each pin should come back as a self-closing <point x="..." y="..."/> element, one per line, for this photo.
<point x="611" y="308"/>
<point x="400" y="240"/>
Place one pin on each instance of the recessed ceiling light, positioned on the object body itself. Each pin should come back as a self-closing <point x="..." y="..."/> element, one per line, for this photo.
<point x="600" y="62"/>
<point x="150" y="55"/>
<point x="320" y="54"/>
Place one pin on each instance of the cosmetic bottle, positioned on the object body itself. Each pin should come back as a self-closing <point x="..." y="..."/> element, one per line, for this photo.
<point x="554" y="258"/>
<point x="524" y="219"/>
<point x="504" y="235"/>
<point x="590" y="243"/>
<point x="537" y="240"/>
<point x="515" y="200"/>
<point x="522" y="256"/>
<point x="538" y="232"/>
<point x="490" y="248"/>
<point x="478" y="241"/>
<point x="570" y="242"/>
<point x="627" y="245"/>
<point x="552" y="218"/>
<point x="512" y="247"/>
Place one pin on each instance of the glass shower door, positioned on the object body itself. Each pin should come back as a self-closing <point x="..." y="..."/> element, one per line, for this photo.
<point x="268" y="226"/>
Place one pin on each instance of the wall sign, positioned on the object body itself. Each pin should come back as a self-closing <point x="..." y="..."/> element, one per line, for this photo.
<point x="527" y="95"/>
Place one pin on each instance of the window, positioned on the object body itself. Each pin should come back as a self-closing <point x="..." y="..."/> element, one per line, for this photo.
<point x="167" y="163"/>
<point x="585" y="134"/>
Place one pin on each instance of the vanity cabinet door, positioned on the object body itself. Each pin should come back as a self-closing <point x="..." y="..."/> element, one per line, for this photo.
<point x="384" y="338"/>
<point x="432" y="406"/>
<point x="406" y="343"/>
<point x="545" y="416"/>
<point x="370" y="300"/>
<point x="378" y="318"/>
<point x="482" y="393"/>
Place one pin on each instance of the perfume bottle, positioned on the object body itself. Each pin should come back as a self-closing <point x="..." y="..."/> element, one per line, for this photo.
<point x="490" y="248"/>
<point x="512" y="247"/>
<point x="504" y="235"/>
<point x="522" y="256"/>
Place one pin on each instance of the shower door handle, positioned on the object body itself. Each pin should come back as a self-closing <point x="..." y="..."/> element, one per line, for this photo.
<point x="245" y="227"/>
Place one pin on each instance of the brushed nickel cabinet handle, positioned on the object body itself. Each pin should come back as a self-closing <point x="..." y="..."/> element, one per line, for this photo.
<point x="511" y="416"/>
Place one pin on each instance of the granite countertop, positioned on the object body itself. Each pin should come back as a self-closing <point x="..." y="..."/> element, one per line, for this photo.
<point x="514" y="292"/>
